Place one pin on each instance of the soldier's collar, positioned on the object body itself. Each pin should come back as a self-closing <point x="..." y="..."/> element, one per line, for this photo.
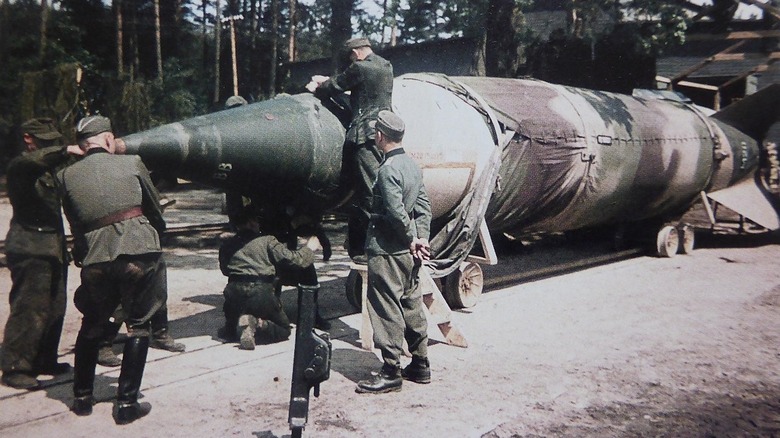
<point x="394" y="152"/>
<point x="96" y="151"/>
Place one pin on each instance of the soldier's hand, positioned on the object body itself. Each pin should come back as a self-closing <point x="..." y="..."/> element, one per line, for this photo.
<point x="313" y="243"/>
<point x="315" y="82"/>
<point x="420" y="249"/>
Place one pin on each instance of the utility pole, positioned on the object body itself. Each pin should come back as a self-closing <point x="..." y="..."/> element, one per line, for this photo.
<point x="232" y="19"/>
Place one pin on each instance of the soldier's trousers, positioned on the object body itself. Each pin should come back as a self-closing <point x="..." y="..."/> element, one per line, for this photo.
<point x="38" y="301"/>
<point x="396" y="306"/>
<point x="258" y="299"/>
<point x="138" y="282"/>
<point x="366" y="165"/>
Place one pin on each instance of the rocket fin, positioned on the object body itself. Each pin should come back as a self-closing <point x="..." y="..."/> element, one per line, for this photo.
<point x="749" y="199"/>
<point x="754" y="114"/>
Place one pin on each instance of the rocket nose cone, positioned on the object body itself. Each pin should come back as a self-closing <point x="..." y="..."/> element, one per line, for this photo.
<point x="160" y="148"/>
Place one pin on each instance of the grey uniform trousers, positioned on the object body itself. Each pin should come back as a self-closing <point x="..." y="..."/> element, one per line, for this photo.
<point x="38" y="302"/>
<point x="396" y="306"/>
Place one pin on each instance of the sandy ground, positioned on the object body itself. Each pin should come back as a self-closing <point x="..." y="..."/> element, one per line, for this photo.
<point x="680" y="347"/>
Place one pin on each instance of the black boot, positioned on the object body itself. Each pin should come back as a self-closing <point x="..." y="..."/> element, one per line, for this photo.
<point x="388" y="380"/>
<point x="133" y="362"/>
<point x="86" y="353"/>
<point x="419" y="371"/>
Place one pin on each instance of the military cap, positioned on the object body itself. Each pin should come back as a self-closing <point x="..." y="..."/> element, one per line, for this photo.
<point x="389" y="124"/>
<point x="355" y="43"/>
<point x="42" y="128"/>
<point x="234" y="101"/>
<point x="92" y="126"/>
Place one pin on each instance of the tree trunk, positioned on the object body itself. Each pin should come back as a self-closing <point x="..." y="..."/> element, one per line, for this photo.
<point x="4" y="7"/>
<point x="501" y="47"/>
<point x="157" y="39"/>
<point x="217" y="48"/>
<point x="44" y="20"/>
<point x="255" y="86"/>
<point x="120" y="53"/>
<point x="293" y="22"/>
<point x="274" y="48"/>
<point x="136" y="63"/>
<point x="341" y="28"/>
<point x="204" y="34"/>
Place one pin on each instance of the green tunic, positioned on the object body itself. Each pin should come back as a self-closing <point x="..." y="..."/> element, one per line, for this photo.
<point x="370" y="83"/>
<point x="401" y="209"/>
<point x="102" y="184"/>
<point x="36" y="226"/>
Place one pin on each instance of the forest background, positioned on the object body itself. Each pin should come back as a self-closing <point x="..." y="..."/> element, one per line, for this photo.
<point x="149" y="62"/>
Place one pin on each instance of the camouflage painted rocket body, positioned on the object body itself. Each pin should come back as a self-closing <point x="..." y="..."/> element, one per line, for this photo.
<point x="570" y="158"/>
<point x="582" y="158"/>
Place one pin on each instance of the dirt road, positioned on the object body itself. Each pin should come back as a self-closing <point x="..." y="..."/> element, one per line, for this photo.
<point x="688" y="347"/>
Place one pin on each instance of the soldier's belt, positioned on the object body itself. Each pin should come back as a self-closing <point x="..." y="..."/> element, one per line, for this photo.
<point x="251" y="278"/>
<point x="117" y="216"/>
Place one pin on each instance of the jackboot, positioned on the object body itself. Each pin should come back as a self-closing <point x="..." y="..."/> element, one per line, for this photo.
<point x="388" y="380"/>
<point x="86" y="353"/>
<point x="418" y="371"/>
<point x="133" y="363"/>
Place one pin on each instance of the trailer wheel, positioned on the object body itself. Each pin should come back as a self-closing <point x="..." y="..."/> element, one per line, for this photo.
<point x="353" y="287"/>
<point x="687" y="235"/>
<point x="667" y="242"/>
<point x="463" y="286"/>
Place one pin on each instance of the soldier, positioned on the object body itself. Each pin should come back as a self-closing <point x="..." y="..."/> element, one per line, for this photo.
<point x="370" y="81"/>
<point x="396" y="245"/>
<point x="280" y="226"/>
<point x="250" y="260"/>
<point x="114" y="212"/>
<point x="37" y="258"/>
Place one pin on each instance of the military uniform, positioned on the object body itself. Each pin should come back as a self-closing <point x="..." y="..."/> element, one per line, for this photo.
<point x="249" y="260"/>
<point x="370" y="82"/>
<point x="401" y="211"/>
<point x="114" y="212"/>
<point x="35" y="250"/>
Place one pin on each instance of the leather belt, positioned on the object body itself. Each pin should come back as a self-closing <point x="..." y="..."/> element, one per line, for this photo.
<point x="117" y="216"/>
<point x="250" y="278"/>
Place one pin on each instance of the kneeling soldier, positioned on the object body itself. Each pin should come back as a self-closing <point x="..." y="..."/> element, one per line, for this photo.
<point x="249" y="260"/>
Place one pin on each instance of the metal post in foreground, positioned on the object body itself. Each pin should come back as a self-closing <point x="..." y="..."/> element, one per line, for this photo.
<point x="311" y="363"/>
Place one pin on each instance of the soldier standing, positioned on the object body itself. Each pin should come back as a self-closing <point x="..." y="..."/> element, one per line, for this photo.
<point x="369" y="78"/>
<point x="250" y="260"/>
<point x="37" y="258"/>
<point x="114" y="211"/>
<point x="396" y="245"/>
